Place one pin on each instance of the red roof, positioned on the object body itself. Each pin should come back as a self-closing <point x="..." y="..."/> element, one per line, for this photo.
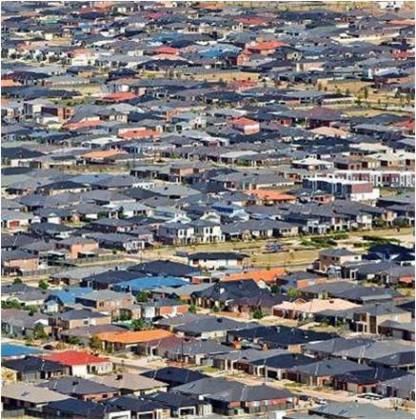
<point x="244" y="121"/>
<point x="119" y="96"/>
<point x="139" y="133"/>
<point x="252" y="21"/>
<point x="267" y="45"/>
<point x="166" y="50"/>
<point x="73" y="358"/>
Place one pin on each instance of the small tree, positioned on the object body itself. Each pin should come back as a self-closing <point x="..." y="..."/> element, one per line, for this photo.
<point x="192" y="308"/>
<point x="275" y="289"/>
<point x="365" y="93"/>
<point x="39" y="332"/>
<point x="95" y="343"/>
<point x="17" y="280"/>
<point x="32" y="309"/>
<point x="293" y="293"/>
<point x="43" y="284"/>
<point x="125" y="316"/>
<point x="138" y="325"/>
<point x="142" y="297"/>
<point x="258" y="314"/>
<point x="75" y="341"/>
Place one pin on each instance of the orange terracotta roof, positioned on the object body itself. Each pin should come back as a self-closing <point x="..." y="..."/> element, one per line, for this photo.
<point x="271" y="195"/>
<point x="167" y="50"/>
<point x="243" y="121"/>
<point x="405" y="22"/>
<point x="139" y="133"/>
<point x="131" y="337"/>
<point x="267" y="276"/>
<point x="83" y="124"/>
<point x="267" y="45"/>
<point x="72" y="358"/>
<point x="407" y="124"/>
<point x="120" y="96"/>
<point x="252" y="21"/>
<point x="9" y="83"/>
<point x="101" y="154"/>
<point x="241" y="84"/>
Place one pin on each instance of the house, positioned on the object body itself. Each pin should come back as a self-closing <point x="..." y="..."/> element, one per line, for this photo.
<point x="400" y="330"/>
<point x="175" y="233"/>
<point x="174" y="376"/>
<point x="131" y="383"/>
<point x="19" y="323"/>
<point x="105" y="300"/>
<point x="364" y="381"/>
<point x="274" y="337"/>
<point x="398" y="387"/>
<point x="216" y="260"/>
<point x="18" y="262"/>
<point x="246" y="125"/>
<point x="209" y="327"/>
<point x="78" y="247"/>
<point x="83" y="335"/>
<point x="182" y="405"/>
<point x="140" y="407"/>
<point x="80" y="364"/>
<point x="207" y="232"/>
<point x="184" y="350"/>
<point x="76" y="318"/>
<point x="72" y="408"/>
<point x="158" y="308"/>
<point x="342" y="188"/>
<point x="62" y="299"/>
<point x="34" y="369"/>
<point x="353" y="410"/>
<point x="229" y="397"/>
<point x="22" y="396"/>
<point x="260" y="276"/>
<point x="303" y="309"/>
<point x="322" y="373"/>
<point x="129" y="340"/>
<point x="80" y="388"/>
<point x="298" y="280"/>
<point x="337" y="257"/>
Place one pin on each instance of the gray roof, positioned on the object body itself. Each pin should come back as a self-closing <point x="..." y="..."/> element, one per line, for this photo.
<point x="352" y="410"/>
<point x="225" y="390"/>
<point x="329" y="367"/>
<point x="76" y="386"/>
<point x="104" y="295"/>
<point x="30" y="393"/>
<point x="130" y="381"/>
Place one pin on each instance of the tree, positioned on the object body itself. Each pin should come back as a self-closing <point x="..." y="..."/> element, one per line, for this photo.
<point x="125" y="316"/>
<point x="43" y="284"/>
<point x="275" y="289"/>
<point x="139" y="325"/>
<point x="75" y="341"/>
<point x="293" y="293"/>
<point x="39" y="332"/>
<point x="142" y="297"/>
<point x="17" y="280"/>
<point x="11" y="304"/>
<point x="192" y="308"/>
<point x="32" y="309"/>
<point x="95" y="343"/>
<point x="258" y="314"/>
<point x="365" y="93"/>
